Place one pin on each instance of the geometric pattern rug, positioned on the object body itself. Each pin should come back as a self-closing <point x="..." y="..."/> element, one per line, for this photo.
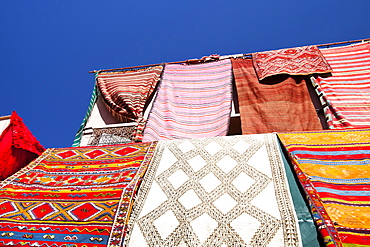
<point x="333" y="168"/>
<point x="73" y="196"/>
<point x="216" y="191"/>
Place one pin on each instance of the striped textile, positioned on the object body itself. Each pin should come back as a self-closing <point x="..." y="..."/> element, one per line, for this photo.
<point x="278" y="103"/>
<point x="346" y="94"/>
<point x="193" y="101"/>
<point x="125" y="93"/>
<point x="303" y="60"/>
<point x="334" y="170"/>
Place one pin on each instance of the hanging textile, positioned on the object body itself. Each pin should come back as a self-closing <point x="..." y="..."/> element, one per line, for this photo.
<point x="216" y="191"/>
<point x="73" y="196"/>
<point x="193" y="101"/>
<point x="277" y="104"/>
<point x="333" y="168"/>
<point x="18" y="147"/>
<point x="125" y="93"/>
<point x="303" y="60"/>
<point x="346" y="94"/>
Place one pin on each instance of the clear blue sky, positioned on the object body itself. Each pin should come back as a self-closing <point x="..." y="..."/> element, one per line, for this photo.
<point x="47" y="47"/>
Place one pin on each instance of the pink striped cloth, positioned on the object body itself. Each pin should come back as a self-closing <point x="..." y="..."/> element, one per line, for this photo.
<point x="346" y="94"/>
<point x="193" y="101"/>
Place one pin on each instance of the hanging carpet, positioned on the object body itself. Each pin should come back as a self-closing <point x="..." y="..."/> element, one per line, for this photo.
<point x="217" y="191"/>
<point x="303" y="60"/>
<point x="73" y="196"/>
<point x="193" y="101"/>
<point x="346" y="94"/>
<point x="278" y="103"/>
<point x="334" y="170"/>
<point x="18" y="147"/>
<point x="125" y="93"/>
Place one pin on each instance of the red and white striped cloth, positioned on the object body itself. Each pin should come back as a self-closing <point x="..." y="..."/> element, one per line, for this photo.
<point x="193" y="101"/>
<point x="346" y="94"/>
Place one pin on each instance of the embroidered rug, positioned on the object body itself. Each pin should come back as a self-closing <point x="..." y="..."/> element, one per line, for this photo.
<point x="303" y="60"/>
<point x="346" y="94"/>
<point x="73" y="196"/>
<point x="18" y="147"/>
<point x="193" y="101"/>
<point x="125" y="93"/>
<point x="277" y="104"/>
<point x="219" y="191"/>
<point x="334" y="170"/>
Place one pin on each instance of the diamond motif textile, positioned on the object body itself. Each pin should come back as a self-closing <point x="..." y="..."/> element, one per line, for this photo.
<point x="191" y="197"/>
<point x="303" y="60"/>
<point x="334" y="170"/>
<point x="346" y="94"/>
<point x="73" y="196"/>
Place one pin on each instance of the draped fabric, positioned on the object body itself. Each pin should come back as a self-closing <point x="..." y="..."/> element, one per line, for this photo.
<point x="276" y="104"/>
<point x="193" y="101"/>
<point x="18" y="147"/>
<point x="346" y="94"/>
<point x="216" y="191"/>
<point x="125" y="93"/>
<point x="73" y="196"/>
<point x="303" y="60"/>
<point x="334" y="170"/>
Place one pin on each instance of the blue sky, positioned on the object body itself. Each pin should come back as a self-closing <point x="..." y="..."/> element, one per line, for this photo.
<point x="47" y="47"/>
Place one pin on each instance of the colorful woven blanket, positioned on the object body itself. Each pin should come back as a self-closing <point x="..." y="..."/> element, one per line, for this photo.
<point x="220" y="191"/>
<point x="18" y="147"/>
<point x="346" y="94"/>
<point x="334" y="170"/>
<point x="303" y="60"/>
<point x="193" y="101"/>
<point x="73" y="196"/>
<point x="125" y="93"/>
<point x="277" y="104"/>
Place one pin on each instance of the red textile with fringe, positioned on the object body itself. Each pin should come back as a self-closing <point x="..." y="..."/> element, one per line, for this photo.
<point x="18" y="147"/>
<point x="276" y="104"/>
<point x="303" y="60"/>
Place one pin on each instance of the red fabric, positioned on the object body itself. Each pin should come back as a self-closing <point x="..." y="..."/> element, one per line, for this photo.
<point x="279" y="103"/>
<point x="303" y="60"/>
<point x="18" y="147"/>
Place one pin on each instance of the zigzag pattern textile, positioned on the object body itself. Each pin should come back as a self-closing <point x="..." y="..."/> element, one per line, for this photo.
<point x="334" y="170"/>
<point x="303" y="60"/>
<point x="193" y="101"/>
<point x="216" y="191"/>
<point x="125" y="93"/>
<point x="279" y="103"/>
<point x="346" y="94"/>
<point x="73" y="196"/>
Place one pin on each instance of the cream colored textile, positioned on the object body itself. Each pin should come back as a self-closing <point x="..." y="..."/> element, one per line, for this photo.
<point x="219" y="191"/>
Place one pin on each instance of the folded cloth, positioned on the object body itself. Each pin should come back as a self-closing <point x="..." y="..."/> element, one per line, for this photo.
<point x="125" y="93"/>
<point x="334" y="170"/>
<point x="216" y="191"/>
<point x="193" y="101"/>
<point x="346" y="94"/>
<point x="277" y="104"/>
<point x="73" y="196"/>
<point x="303" y="60"/>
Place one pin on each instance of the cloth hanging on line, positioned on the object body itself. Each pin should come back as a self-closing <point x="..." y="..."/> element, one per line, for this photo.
<point x="193" y="101"/>
<point x="346" y="94"/>
<point x="125" y="93"/>
<point x="215" y="191"/>
<point x="334" y="170"/>
<point x="303" y="60"/>
<point x="73" y="196"/>
<point x="18" y="147"/>
<point x="279" y="103"/>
